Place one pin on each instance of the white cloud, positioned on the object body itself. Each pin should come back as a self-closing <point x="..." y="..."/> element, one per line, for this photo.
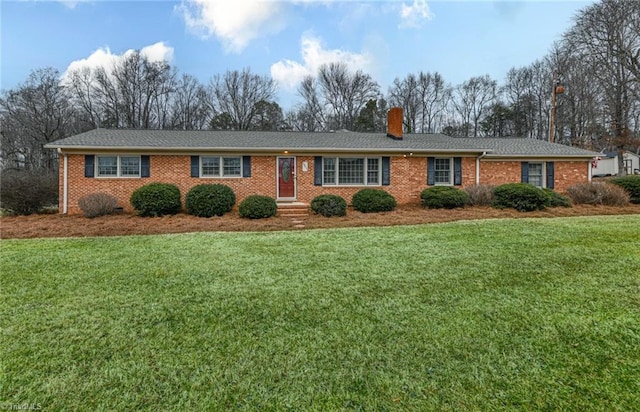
<point x="415" y="14"/>
<point x="103" y="57"/>
<point x="289" y="73"/>
<point x="234" y="22"/>
<point x="158" y="52"/>
<point x="71" y="4"/>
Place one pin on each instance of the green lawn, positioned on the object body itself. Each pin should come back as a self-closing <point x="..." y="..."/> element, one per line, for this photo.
<point x="487" y="315"/>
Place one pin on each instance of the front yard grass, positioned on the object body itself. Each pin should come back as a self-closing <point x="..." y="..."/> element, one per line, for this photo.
<point x="485" y="315"/>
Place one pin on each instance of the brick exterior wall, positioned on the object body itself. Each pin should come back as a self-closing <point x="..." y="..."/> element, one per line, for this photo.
<point x="408" y="178"/>
<point x="567" y="173"/>
<point x="497" y="173"/>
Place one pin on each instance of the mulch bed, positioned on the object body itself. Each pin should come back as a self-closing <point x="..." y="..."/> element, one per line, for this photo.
<point x="47" y="226"/>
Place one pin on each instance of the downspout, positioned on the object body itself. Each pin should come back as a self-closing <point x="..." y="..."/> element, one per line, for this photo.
<point x="590" y="172"/>
<point x="65" y="182"/>
<point x="478" y="167"/>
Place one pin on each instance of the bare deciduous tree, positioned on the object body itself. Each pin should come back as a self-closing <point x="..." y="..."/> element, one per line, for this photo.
<point x="35" y="113"/>
<point x="310" y="114"/>
<point x="472" y="99"/>
<point x="406" y="94"/>
<point x="606" y="38"/>
<point x="236" y="93"/>
<point x="190" y="105"/>
<point x="435" y="95"/>
<point x="134" y="93"/>
<point x="345" y="94"/>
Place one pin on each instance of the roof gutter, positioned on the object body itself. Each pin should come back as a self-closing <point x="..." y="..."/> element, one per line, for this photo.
<point x="401" y="150"/>
<point x="539" y="156"/>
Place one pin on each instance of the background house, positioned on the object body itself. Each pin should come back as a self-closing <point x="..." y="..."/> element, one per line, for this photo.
<point x="608" y="164"/>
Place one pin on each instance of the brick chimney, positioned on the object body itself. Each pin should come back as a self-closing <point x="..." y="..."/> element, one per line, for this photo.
<point x="394" y="123"/>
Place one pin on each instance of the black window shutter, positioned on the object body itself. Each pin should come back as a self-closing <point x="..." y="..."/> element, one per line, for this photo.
<point x="457" y="171"/>
<point x="550" y="174"/>
<point x="431" y="171"/>
<point x="145" y="169"/>
<point x="386" y="171"/>
<point x="317" y="171"/>
<point x="246" y="166"/>
<point x="89" y="165"/>
<point x="195" y="166"/>
<point x="525" y="172"/>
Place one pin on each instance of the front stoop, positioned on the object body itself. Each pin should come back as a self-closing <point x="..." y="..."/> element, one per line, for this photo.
<point x="293" y="209"/>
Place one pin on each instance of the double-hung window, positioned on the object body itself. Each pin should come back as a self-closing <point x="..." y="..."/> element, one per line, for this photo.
<point x="443" y="171"/>
<point x="536" y="174"/>
<point x="118" y="166"/>
<point x="351" y="171"/>
<point x="220" y="166"/>
<point x="539" y="174"/>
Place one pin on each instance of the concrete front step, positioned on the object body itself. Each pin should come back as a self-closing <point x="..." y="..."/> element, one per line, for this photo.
<point x="293" y="209"/>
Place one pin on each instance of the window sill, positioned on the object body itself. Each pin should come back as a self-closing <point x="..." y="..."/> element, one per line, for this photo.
<point x="220" y="177"/>
<point x="360" y="185"/>
<point x="118" y="177"/>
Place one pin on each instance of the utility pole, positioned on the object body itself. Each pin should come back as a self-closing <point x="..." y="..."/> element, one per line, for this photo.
<point x="556" y="89"/>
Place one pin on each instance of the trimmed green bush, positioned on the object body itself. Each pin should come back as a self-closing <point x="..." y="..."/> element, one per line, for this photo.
<point x="443" y="197"/>
<point x="156" y="199"/>
<point x="631" y="184"/>
<point x="598" y="193"/>
<point x="555" y="199"/>
<point x="329" y="205"/>
<point x="520" y="196"/>
<point x="257" y="207"/>
<point x="480" y="195"/>
<point x="208" y="200"/>
<point x="373" y="200"/>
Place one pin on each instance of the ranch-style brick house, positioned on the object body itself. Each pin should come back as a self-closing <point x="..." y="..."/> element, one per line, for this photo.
<point x="295" y="167"/>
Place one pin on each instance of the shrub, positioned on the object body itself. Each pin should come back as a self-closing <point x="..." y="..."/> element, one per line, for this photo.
<point x="24" y="192"/>
<point x="520" y="196"/>
<point x="373" y="200"/>
<point x="631" y="184"/>
<point x="329" y="205"/>
<point x="97" y="204"/>
<point x="156" y="199"/>
<point x="443" y="197"/>
<point x="480" y="195"/>
<point x="210" y="200"/>
<point x="555" y="199"/>
<point x="257" y="207"/>
<point x="598" y="193"/>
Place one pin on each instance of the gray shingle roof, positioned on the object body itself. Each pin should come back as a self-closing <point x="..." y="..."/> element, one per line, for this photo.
<point x="341" y="141"/>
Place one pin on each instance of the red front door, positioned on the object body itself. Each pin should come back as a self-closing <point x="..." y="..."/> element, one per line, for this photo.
<point x="286" y="177"/>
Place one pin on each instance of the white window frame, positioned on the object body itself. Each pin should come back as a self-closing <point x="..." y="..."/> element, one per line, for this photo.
<point x="365" y="171"/>
<point x="543" y="171"/>
<point x="118" y="167"/>
<point x="220" y="174"/>
<point x="449" y="182"/>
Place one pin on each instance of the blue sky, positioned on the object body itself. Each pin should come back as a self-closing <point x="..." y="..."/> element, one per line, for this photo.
<point x="284" y="39"/>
